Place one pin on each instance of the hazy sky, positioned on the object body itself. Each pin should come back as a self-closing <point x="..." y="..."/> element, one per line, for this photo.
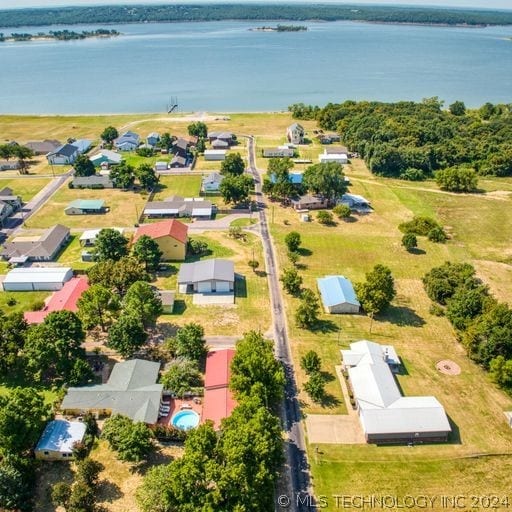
<point x="503" y="4"/>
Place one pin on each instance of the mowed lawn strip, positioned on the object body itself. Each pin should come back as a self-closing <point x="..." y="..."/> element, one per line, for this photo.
<point x="26" y="188"/>
<point x="124" y="209"/>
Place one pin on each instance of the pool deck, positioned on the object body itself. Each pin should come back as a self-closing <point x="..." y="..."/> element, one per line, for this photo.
<point x="177" y="405"/>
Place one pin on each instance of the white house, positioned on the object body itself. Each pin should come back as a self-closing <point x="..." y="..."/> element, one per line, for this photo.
<point x="207" y="276"/>
<point x="211" y="183"/>
<point x="215" y="154"/>
<point x="31" y="279"/>
<point x="356" y="203"/>
<point x="295" y="133"/>
<point x="385" y="415"/>
<point x="161" y="166"/>
<point x="58" y="439"/>
<point x="339" y="158"/>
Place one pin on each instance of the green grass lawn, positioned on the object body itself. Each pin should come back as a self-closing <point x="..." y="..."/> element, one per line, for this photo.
<point x="479" y="227"/>
<point x="125" y="207"/>
<point x="185" y="186"/>
<point x="71" y="256"/>
<point x="243" y="223"/>
<point x="251" y="294"/>
<point x="26" y="188"/>
<point x="24" y="301"/>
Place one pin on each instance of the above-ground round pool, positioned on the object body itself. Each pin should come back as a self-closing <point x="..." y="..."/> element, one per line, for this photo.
<point x="185" y="420"/>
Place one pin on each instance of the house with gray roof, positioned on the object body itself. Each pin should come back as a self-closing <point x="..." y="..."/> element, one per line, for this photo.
<point x="227" y="137"/>
<point x="128" y="141"/>
<point x="9" y="203"/>
<point x="43" y="247"/>
<point x="43" y="147"/>
<point x="65" y="155"/>
<point x="177" y="206"/>
<point x="131" y="390"/>
<point x="385" y="415"/>
<point x="178" y="161"/>
<point x="211" y="182"/>
<point x="338" y="295"/>
<point x="9" y="165"/>
<point x="310" y="202"/>
<point x="96" y="181"/>
<point x="207" y="276"/>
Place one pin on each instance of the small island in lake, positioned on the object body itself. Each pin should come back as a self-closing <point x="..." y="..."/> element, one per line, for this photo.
<point x="59" y="35"/>
<point x="281" y="28"/>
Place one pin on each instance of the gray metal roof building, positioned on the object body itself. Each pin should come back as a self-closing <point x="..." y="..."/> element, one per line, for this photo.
<point x="386" y="416"/>
<point x="131" y="390"/>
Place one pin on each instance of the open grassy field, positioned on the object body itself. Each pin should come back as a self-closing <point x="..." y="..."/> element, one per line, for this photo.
<point x="26" y="188"/>
<point x="251" y="293"/>
<point x="185" y="186"/>
<point x="479" y="226"/>
<point x="125" y="208"/>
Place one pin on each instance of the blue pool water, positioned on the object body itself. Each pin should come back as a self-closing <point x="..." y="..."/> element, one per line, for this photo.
<point x="185" y="420"/>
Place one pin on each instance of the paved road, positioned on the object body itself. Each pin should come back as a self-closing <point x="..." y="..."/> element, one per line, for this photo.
<point x="14" y="223"/>
<point x="298" y="479"/>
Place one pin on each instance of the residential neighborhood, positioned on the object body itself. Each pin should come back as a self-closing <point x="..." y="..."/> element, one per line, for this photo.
<point x="172" y="280"/>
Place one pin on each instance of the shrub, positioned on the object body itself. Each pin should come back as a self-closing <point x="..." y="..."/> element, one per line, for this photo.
<point x="437" y="235"/>
<point x="342" y="211"/>
<point x="420" y="226"/>
<point x="325" y="218"/>
<point x="409" y="241"/>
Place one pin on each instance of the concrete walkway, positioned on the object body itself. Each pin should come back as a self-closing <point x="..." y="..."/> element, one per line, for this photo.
<point x="336" y="428"/>
<point x="212" y="225"/>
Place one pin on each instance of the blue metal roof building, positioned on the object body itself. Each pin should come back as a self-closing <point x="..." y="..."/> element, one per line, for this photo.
<point x="338" y="295"/>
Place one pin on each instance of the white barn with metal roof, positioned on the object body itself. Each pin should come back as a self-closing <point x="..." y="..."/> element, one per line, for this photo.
<point x="385" y="415"/>
<point x="36" y="279"/>
<point x="338" y="295"/>
<point x="58" y="438"/>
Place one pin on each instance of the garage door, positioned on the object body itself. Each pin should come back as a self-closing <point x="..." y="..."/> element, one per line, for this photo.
<point x="222" y="286"/>
<point x="204" y="287"/>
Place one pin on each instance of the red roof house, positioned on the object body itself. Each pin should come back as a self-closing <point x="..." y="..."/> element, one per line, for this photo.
<point x="63" y="300"/>
<point x="170" y="235"/>
<point x="218" y="400"/>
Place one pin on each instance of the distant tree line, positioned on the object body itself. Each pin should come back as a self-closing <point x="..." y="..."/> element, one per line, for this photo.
<point x="60" y="35"/>
<point x="415" y="141"/>
<point x="173" y="13"/>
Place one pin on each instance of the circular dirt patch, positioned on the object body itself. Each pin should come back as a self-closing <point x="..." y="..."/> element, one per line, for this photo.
<point x="448" y="367"/>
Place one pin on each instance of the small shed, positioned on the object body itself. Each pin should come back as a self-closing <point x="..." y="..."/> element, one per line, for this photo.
<point x="36" y="279"/>
<point x="167" y="298"/>
<point x="215" y="154"/>
<point x="58" y="438"/>
<point x="161" y="166"/>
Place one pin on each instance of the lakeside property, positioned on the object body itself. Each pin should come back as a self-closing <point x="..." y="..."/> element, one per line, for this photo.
<point x="477" y="454"/>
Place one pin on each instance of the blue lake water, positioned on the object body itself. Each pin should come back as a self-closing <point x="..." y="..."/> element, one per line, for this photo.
<point x="222" y="66"/>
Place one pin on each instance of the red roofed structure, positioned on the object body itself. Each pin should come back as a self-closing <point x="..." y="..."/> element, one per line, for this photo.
<point x="63" y="300"/>
<point x="218" y="400"/>
<point x="170" y="235"/>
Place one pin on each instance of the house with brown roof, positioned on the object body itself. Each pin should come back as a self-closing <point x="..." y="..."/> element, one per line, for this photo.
<point x="170" y="235"/>
<point x="43" y="147"/>
<point x="309" y="202"/>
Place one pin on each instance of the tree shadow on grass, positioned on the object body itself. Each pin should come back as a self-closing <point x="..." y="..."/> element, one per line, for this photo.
<point x="180" y="307"/>
<point x="304" y="251"/>
<point x="324" y="326"/>
<point x="260" y="273"/>
<point x="108" y="491"/>
<point x="240" y="286"/>
<point x="403" y="316"/>
<point x="192" y="258"/>
<point x="417" y="251"/>
<point x="329" y="401"/>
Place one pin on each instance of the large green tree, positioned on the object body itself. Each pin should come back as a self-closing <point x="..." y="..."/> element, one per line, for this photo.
<point x="109" y="134"/>
<point x="23" y="416"/>
<point x="147" y="251"/>
<point x="293" y="241"/>
<point x="189" y="342"/>
<point x="255" y="370"/>
<point x="98" y="306"/>
<point x="131" y="440"/>
<point x="12" y="338"/>
<point x="123" y="175"/>
<point x="457" y="179"/>
<point x="52" y="347"/>
<point x="306" y="314"/>
<point x="292" y="281"/>
<point x="147" y="176"/>
<point x="17" y="481"/>
<point x="142" y="301"/>
<point x="117" y="275"/>
<point x="236" y="189"/>
<point x="326" y="180"/>
<point x="376" y="293"/>
<point x="83" y="166"/>
<point x="110" y="244"/>
<point x="127" y="335"/>
<point x="198" y="128"/>
<point x="181" y="375"/>
<point x="233" y="165"/>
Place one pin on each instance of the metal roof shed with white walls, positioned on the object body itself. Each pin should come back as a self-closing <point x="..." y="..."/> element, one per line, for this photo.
<point x="36" y="279"/>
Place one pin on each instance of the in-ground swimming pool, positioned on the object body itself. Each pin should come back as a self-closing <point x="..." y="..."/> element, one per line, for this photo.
<point x="185" y="420"/>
